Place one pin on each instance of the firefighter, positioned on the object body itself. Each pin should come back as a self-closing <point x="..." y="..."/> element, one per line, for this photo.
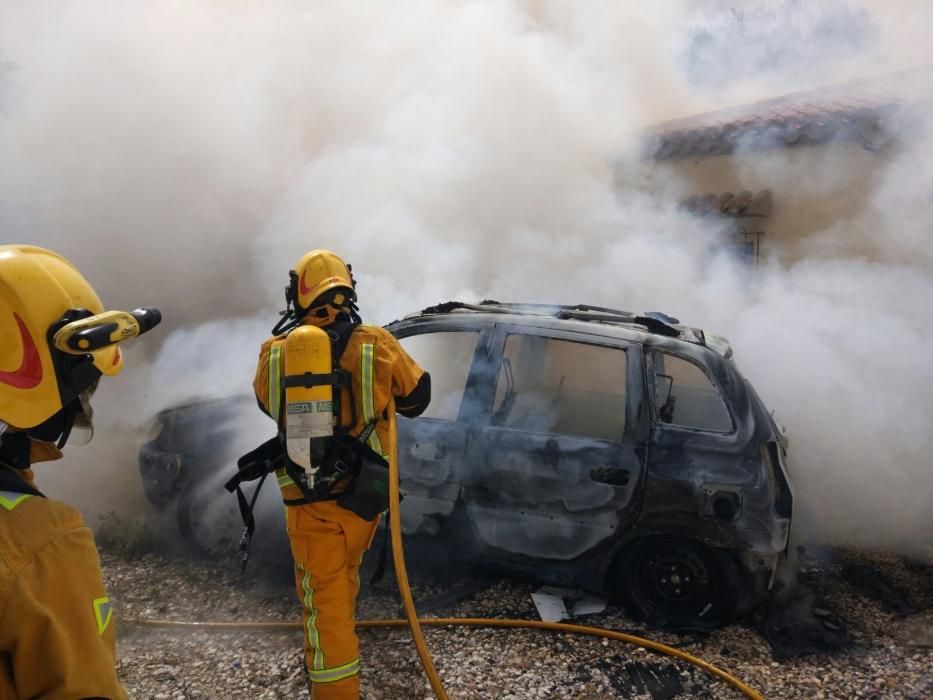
<point x="56" y="621"/>
<point x="331" y="519"/>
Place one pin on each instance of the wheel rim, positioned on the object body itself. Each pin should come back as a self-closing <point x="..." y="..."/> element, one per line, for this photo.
<point x="675" y="579"/>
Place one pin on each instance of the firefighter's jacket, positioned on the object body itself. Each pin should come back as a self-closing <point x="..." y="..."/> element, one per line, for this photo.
<point x="57" y="639"/>
<point x="380" y="369"/>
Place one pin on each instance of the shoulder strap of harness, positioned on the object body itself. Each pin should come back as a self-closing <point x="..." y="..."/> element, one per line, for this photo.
<point x="340" y="333"/>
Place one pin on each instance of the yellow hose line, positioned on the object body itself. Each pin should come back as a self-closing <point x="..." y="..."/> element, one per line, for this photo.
<point x="398" y="557"/>
<point x="471" y="622"/>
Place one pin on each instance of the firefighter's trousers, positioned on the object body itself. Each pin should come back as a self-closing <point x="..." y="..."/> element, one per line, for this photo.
<point x="327" y="544"/>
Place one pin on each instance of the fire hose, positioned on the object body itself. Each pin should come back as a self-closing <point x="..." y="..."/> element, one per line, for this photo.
<point x="414" y="622"/>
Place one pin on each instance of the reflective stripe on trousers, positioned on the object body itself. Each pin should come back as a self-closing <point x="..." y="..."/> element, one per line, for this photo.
<point x="314" y="637"/>
<point x="338" y="673"/>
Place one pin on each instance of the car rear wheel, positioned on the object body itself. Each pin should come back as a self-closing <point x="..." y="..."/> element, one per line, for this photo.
<point x="676" y="582"/>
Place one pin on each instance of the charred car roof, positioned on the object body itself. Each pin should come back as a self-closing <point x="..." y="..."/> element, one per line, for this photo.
<point x="624" y="324"/>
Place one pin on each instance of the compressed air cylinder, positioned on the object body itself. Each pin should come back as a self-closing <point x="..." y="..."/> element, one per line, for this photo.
<point x="308" y="410"/>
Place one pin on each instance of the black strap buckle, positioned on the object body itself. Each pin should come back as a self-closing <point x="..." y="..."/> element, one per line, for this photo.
<point x="308" y="380"/>
<point x="339" y="379"/>
<point x="367" y="431"/>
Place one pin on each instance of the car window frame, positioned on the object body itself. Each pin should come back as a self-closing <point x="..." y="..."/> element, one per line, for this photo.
<point x="633" y="364"/>
<point x="481" y="352"/>
<point x="652" y="394"/>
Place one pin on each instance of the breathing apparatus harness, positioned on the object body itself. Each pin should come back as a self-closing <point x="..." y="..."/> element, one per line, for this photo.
<point x="315" y="450"/>
<point x="334" y="456"/>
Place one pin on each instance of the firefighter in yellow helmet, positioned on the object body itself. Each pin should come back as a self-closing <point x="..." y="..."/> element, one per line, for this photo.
<point x="56" y="621"/>
<point x="333" y="509"/>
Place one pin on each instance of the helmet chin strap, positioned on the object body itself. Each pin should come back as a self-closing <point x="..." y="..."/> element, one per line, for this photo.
<point x="71" y="412"/>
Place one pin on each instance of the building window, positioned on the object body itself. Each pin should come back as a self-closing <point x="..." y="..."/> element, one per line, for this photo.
<point x="746" y="245"/>
<point x="743" y="217"/>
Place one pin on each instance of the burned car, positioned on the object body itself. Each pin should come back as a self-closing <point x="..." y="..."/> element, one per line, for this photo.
<point x="193" y="452"/>
<point x="593" y="448"/>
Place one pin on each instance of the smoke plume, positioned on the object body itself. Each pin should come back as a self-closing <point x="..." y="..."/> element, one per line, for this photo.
<point x="186" y="154"/>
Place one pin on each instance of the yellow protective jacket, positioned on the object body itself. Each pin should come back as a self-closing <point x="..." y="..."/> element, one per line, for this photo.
<point x="380" y="369"/>
<point x="57" y="639"/>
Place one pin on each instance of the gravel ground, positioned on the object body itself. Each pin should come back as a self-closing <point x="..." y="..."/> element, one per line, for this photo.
<point x="880" y="607"/>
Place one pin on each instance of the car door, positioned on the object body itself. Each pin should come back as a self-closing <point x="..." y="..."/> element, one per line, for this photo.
<point x="696" y="462"/>
<point x="555" y="467"/>
<point x="432" y="447"/>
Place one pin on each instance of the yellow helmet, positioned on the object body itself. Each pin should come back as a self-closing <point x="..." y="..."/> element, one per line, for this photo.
<point x="318" y="272"/>
<point x="40" y="292"/>
<point x="322" y="286"/>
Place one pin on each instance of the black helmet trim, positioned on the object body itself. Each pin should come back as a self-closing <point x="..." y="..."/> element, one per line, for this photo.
<point x="76" y="375"/>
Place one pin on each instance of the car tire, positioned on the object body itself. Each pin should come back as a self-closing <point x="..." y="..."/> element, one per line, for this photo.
<point x="677" y="583"/>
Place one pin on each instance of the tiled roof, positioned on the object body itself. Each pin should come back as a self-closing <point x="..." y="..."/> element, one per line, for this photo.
<point x="861" y="111"/>
<point x="740" y="205"/>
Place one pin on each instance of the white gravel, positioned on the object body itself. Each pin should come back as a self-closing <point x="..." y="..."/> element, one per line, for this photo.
<point x="890" y="656"/>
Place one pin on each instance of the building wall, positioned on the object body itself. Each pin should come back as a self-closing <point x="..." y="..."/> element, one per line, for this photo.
<point x="823" y="195"/>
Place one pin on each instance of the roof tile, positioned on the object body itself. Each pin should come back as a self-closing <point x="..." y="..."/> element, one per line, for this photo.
<point x="850" y="110"/>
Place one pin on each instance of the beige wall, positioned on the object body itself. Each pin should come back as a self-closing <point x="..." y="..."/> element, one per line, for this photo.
<point x="820" y="193"/>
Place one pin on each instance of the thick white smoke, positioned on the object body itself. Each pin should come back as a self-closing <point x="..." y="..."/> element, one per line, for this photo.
<point x="186" y="154"/>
